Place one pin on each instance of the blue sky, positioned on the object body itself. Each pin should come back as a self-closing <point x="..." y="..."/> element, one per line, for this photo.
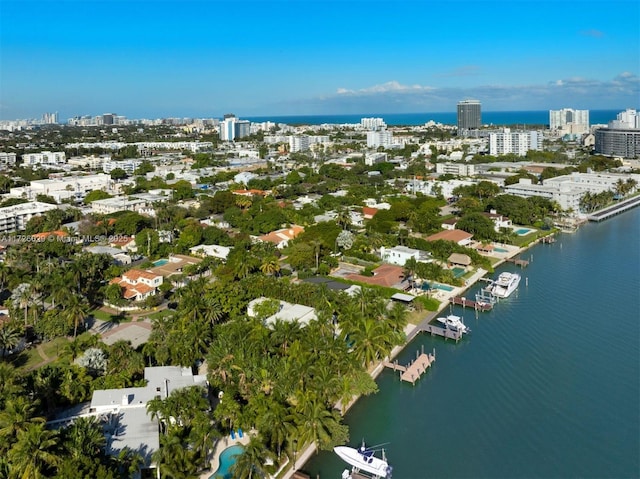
<point x="161" y="58"/>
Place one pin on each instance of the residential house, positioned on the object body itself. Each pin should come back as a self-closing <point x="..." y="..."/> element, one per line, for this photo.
<point x="458" y="236"/>
<point x="499" y="221"/>
<point x="282" y="237"/>
<point x="287" y="312"/>
<point x="138" y="284"/>
<point x="217" y="251"/>
<point x="399" y="255"/>
<point x="124" y="411"/>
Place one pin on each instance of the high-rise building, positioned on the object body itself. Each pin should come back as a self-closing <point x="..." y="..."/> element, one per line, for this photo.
<point x="373" y="123"/>
<point x="570" y="120"/>
<point x="108" y="118"/>
<point x="469" y="115"/>
<point x="232" y="127"/>
<point x="50" y="118"/>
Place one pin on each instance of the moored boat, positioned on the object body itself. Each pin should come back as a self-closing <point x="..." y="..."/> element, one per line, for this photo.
<point x="363" y="459"/>
<point x="506" y="284"/>
<point x="454" y="323"/>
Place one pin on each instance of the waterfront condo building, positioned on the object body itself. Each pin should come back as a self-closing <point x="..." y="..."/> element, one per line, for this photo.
<point x="517" y="142"/>
<point x="569" y="120"/>
<point x="372" y="123"/>
<point x="469" y="115"/>
<point x="621" y="138"/>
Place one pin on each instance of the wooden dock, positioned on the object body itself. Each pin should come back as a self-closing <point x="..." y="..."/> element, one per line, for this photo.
<point x="519" y="262"/>
<point x="444" y="332"/>
<point x="412" y="372"/>
<point x="464" y="302"/>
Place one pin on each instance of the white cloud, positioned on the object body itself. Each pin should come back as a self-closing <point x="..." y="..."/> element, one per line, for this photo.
<point x="390" y="86"/>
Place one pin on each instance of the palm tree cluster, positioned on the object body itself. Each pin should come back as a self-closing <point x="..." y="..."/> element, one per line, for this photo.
<point x="285" y="380"/>
<point x="29" y="448"/>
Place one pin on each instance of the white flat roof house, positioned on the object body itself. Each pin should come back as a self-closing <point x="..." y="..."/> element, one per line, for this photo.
<point x="399" y="255"/>
<point x="15" y="218"/>
<point x="129" y="425"/>
<point x="288" y="312"/>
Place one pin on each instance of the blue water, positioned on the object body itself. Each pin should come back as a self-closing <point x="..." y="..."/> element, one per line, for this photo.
<point x="160" y="262"/>
<point x="500" y="250"/>
<point x="523" y="231"/>
<point x="448" y="118"/>
<point x="227" y="459"/>
<point x="546" y="386"/>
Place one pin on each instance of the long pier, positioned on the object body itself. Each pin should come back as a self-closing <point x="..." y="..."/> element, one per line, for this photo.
<point x="416" y="368"/>
<point x="443" y="332"/>
<point x="618" y="208"/>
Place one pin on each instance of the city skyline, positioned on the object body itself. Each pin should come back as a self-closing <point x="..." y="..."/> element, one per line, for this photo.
<point x="147" y="59"/>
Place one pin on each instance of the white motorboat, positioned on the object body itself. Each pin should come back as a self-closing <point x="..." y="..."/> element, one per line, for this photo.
<point x="506" y="284"/>
<point x="364" y="460"/>
<point x="454" y="323"/>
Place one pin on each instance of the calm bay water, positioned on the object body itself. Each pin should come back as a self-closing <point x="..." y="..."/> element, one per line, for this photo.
<point x="497" y="118"/>
<point x="547" y="385"/>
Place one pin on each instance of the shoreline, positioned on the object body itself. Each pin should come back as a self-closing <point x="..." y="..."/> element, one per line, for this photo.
<point x="411" y="332"/>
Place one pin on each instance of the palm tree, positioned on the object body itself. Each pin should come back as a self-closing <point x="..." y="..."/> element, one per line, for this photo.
<point x="35" y="453"/>
<point x="16" y="417"/>
<point x="76" y="311"/>
<point x="270" y="265"/>
<point x="10" y="336"/>
<point x="343" y="218"/>
<point x="251" y="461"/>
<point x="84" y="438"/>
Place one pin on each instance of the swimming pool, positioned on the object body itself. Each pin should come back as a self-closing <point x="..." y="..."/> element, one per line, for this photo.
<point x="227" y="459"/>
<point x="443" y="287"/>
<point x="523" y="231"/>
<point x="160" y="262"/>
<point x="457" y="272"/>
<point x="500" y="250"/>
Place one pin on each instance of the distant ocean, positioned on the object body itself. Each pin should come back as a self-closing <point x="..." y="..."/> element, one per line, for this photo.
<point x="497" y="118"/>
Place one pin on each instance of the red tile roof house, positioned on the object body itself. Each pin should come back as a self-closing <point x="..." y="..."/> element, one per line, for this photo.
<point x="458" y="236"/>
<point x="388" y="275"/>
<point x="282" y="237"/>
<point x="138" y="285"/>
<point x="368" y="213"/>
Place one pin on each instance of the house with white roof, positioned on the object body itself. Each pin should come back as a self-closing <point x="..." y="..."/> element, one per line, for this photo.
<point x="124" y="411"/>
<point x="217" y="251"/>
<point x="287" y="312"/>
<point x="399" y="255"/>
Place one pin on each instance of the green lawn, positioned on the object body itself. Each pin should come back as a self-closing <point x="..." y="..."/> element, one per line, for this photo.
<point x="30" y="358"/>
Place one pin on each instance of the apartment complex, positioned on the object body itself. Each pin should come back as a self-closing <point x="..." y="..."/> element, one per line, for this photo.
<point x="372" y="123"/>
<point x="378" y="138"/>
<point x="15" y="218"/>
<point x="568" y="120"/>
<point x="44" y="158"/>
<point x="7" y="159"/>
<point x="516" y="142"/>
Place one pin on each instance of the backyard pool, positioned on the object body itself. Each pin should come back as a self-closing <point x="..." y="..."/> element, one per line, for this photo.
<point x="523" y="231"/>
<point x="227" y="459"/>
<point x="500" y="250"/>
<point x="443" y="287"/>
<point x="160" y="262"/>
<point x="457" y="272"/>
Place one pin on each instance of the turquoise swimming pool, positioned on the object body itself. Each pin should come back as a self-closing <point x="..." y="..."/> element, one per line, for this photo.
<point x="443" y="287"/>
<point x="457" y="272"/>
<point x="227" y="459"/>
<point x="160" y="262"/>
<point x="500" y="250"/>
<point x="523" y="231"/>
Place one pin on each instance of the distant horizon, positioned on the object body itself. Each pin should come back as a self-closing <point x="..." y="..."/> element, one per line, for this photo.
<point x="63" y="119"/>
